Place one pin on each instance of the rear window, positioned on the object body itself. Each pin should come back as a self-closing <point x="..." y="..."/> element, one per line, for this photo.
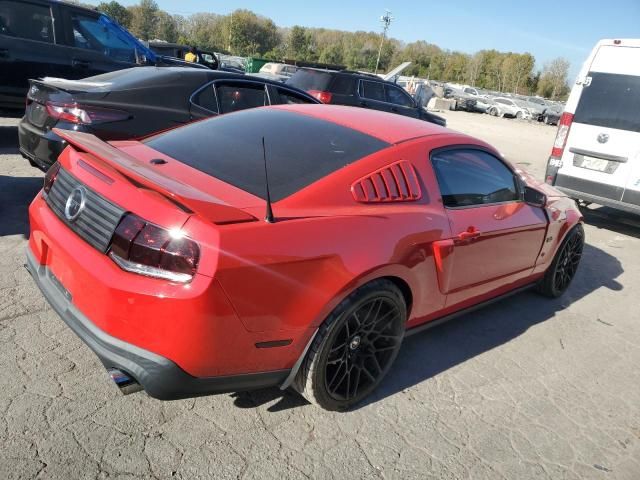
<point x="610" y="100"/>
<point x="310" y="80"/>
<point x="300" y="149"/>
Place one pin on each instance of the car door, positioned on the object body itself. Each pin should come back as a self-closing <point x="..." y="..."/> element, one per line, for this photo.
<point x="400" y="101"/>
<point x="372" y="95"/>
<point x="29" y="48"/>
<point x="93" y="46"/>
<point x="496" y="237"/>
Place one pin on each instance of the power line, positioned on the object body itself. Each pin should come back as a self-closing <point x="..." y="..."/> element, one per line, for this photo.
<point x="386" y="20"/>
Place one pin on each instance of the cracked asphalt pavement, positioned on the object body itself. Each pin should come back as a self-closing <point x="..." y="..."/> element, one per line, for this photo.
<point x="525" y="388"/>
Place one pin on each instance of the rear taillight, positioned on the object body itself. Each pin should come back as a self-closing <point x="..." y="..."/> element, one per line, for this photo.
<point x="50" y="177"/>
<point x="83" y="114"/>
<point x="561" y="137"/>
<point x="324" y="97"/>
<point x="146" y="249"/>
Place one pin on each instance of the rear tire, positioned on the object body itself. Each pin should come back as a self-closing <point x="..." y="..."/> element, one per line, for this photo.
<point x="493" y="112"/>
<point x="354" y="348"/>
<point x="562" y="270"/>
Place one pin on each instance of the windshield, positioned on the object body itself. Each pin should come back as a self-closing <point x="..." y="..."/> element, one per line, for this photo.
<point x="120" y="41"/>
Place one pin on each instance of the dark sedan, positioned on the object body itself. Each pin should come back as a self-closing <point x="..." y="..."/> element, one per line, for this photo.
<point x="135" y="103"/>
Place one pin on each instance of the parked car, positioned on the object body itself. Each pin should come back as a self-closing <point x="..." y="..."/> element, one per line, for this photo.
<point x="596" y="153"/>
<point x="551" y="115"/>
<point x="40" y="38"/>
<point x="136" y="102"/>
<point x="360" y="90"/>
<point x="223" y="255"/>
<point x="278" y="69"/>
<point x="463" y="101"/>
<point x="536" y="106"/>
<point x="483" y="103"/>
<point x="506" y="107"/>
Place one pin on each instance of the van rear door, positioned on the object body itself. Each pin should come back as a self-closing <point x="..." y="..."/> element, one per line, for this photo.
<point x="603" y="146"/>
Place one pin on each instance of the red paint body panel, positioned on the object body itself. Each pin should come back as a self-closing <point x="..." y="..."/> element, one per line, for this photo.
<point x="257" y="281"/>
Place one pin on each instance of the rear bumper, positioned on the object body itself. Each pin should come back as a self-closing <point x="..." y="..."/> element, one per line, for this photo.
<point x="41" y="148"/>
<point x="607" y="202"/>
<point x="160" y="377"/>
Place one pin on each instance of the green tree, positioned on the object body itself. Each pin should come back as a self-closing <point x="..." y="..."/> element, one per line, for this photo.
<point x="116" y="11"/>
<point x="144" y="19"/>
<point x="166" y="27"/>
<point x="250" y="34"/>
<point x="299" y="43"/>
<point x="553" y="80"/>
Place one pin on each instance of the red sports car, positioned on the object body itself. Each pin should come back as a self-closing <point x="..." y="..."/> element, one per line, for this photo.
<point x="291" y="246"/>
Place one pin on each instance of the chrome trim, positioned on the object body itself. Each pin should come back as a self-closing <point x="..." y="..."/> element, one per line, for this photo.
<point x="148" y="271"/>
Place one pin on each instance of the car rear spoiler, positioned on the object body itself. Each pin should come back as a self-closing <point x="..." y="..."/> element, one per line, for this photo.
<point x="199" y="202"/>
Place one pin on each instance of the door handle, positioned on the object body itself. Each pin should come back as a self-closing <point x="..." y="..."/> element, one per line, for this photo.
<point x="394" y="109"/>
<point x="80" y="63"/>
<point x="364" y="104"/>
<point x="469" y="234"/>
<point x="4" y="53"/>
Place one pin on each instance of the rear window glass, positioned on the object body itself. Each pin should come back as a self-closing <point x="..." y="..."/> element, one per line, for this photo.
<point x="610" y="100"/>
<point x="300" y="149"/>
<point x="310" y="80"/>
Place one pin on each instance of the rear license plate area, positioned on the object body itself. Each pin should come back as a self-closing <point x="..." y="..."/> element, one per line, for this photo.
<point x="58" y="284"/>
<point x="596" y="164"/>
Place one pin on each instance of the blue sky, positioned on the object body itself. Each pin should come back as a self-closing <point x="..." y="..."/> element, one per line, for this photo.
<point x="544" y="28"/>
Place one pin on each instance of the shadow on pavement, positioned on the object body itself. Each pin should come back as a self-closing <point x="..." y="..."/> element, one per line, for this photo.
<point x="9" y="140"/>
<point x="614" y="220"/>
<point x="427" y="354"/>
<point x="16" y="194"/>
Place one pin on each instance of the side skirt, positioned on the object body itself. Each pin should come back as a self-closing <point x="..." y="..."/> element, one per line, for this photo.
<point x="464" y="311"/>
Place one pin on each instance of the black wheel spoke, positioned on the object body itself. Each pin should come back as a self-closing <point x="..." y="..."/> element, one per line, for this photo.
<point x="363" y="348"/>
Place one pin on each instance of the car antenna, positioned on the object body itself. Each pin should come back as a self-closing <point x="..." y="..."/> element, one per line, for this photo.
<point x="269" y="216"/>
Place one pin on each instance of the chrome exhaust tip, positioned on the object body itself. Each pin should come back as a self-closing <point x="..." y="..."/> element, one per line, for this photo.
<point x="126" y="383"/>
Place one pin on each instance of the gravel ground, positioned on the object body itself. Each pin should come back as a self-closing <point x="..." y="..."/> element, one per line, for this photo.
<point x="526" y="388"/>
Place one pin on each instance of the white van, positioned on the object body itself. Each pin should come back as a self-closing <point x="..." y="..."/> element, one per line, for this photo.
<point x="596" y="153"/>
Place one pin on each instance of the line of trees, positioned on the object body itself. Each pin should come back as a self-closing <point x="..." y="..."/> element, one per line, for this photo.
<point x="246" y="34"/>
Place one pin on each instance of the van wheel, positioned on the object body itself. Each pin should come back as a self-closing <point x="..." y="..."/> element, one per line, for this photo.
<point x="519" y="115"/>
<point x="560" y="273"/>
<point x="354" y="348"/>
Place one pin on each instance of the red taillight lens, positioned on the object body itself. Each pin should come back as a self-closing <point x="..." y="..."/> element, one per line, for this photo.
<point x="146" y="249"/>
<point x="50" y="177"/>
<point x="561" y="136"/>
<point x="324" y="97"/>
<point x="83" y="114"/>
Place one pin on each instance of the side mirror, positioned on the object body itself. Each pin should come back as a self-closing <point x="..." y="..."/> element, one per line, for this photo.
<point x="534" y="197"/>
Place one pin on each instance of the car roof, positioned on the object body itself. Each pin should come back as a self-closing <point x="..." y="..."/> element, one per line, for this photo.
<point x="388" y="127"/>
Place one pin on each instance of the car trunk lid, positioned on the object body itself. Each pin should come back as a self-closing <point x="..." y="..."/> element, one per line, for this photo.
<point x="58" y="91"/>
<point x="140" y="168"/>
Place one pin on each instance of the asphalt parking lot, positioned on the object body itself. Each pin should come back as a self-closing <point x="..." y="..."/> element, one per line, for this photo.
<point x="526" y="388"/>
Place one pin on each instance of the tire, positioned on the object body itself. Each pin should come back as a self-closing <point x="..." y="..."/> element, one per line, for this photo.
<point x="493" y="112"/>
<point x="562" y="270"/>
<point x="519" y="115"/>
<point x="361" y="337"/>
<point x="545" y="119"/>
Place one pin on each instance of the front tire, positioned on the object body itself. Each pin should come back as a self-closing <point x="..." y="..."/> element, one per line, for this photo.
<point x="562" y="270"/>
<point x="519" y="115"/>
<point x="354" y="348"/>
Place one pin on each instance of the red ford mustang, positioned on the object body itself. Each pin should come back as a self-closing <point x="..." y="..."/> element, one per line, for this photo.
<point x="291" y="246"/>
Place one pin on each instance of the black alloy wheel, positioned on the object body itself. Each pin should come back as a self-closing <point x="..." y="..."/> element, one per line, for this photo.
<point x="563" y="269"/>
<point x="355" y="347"/>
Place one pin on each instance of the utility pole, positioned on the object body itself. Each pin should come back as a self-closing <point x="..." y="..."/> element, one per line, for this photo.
<point x="386" y="20"/>
<point x="230" y="33"/>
